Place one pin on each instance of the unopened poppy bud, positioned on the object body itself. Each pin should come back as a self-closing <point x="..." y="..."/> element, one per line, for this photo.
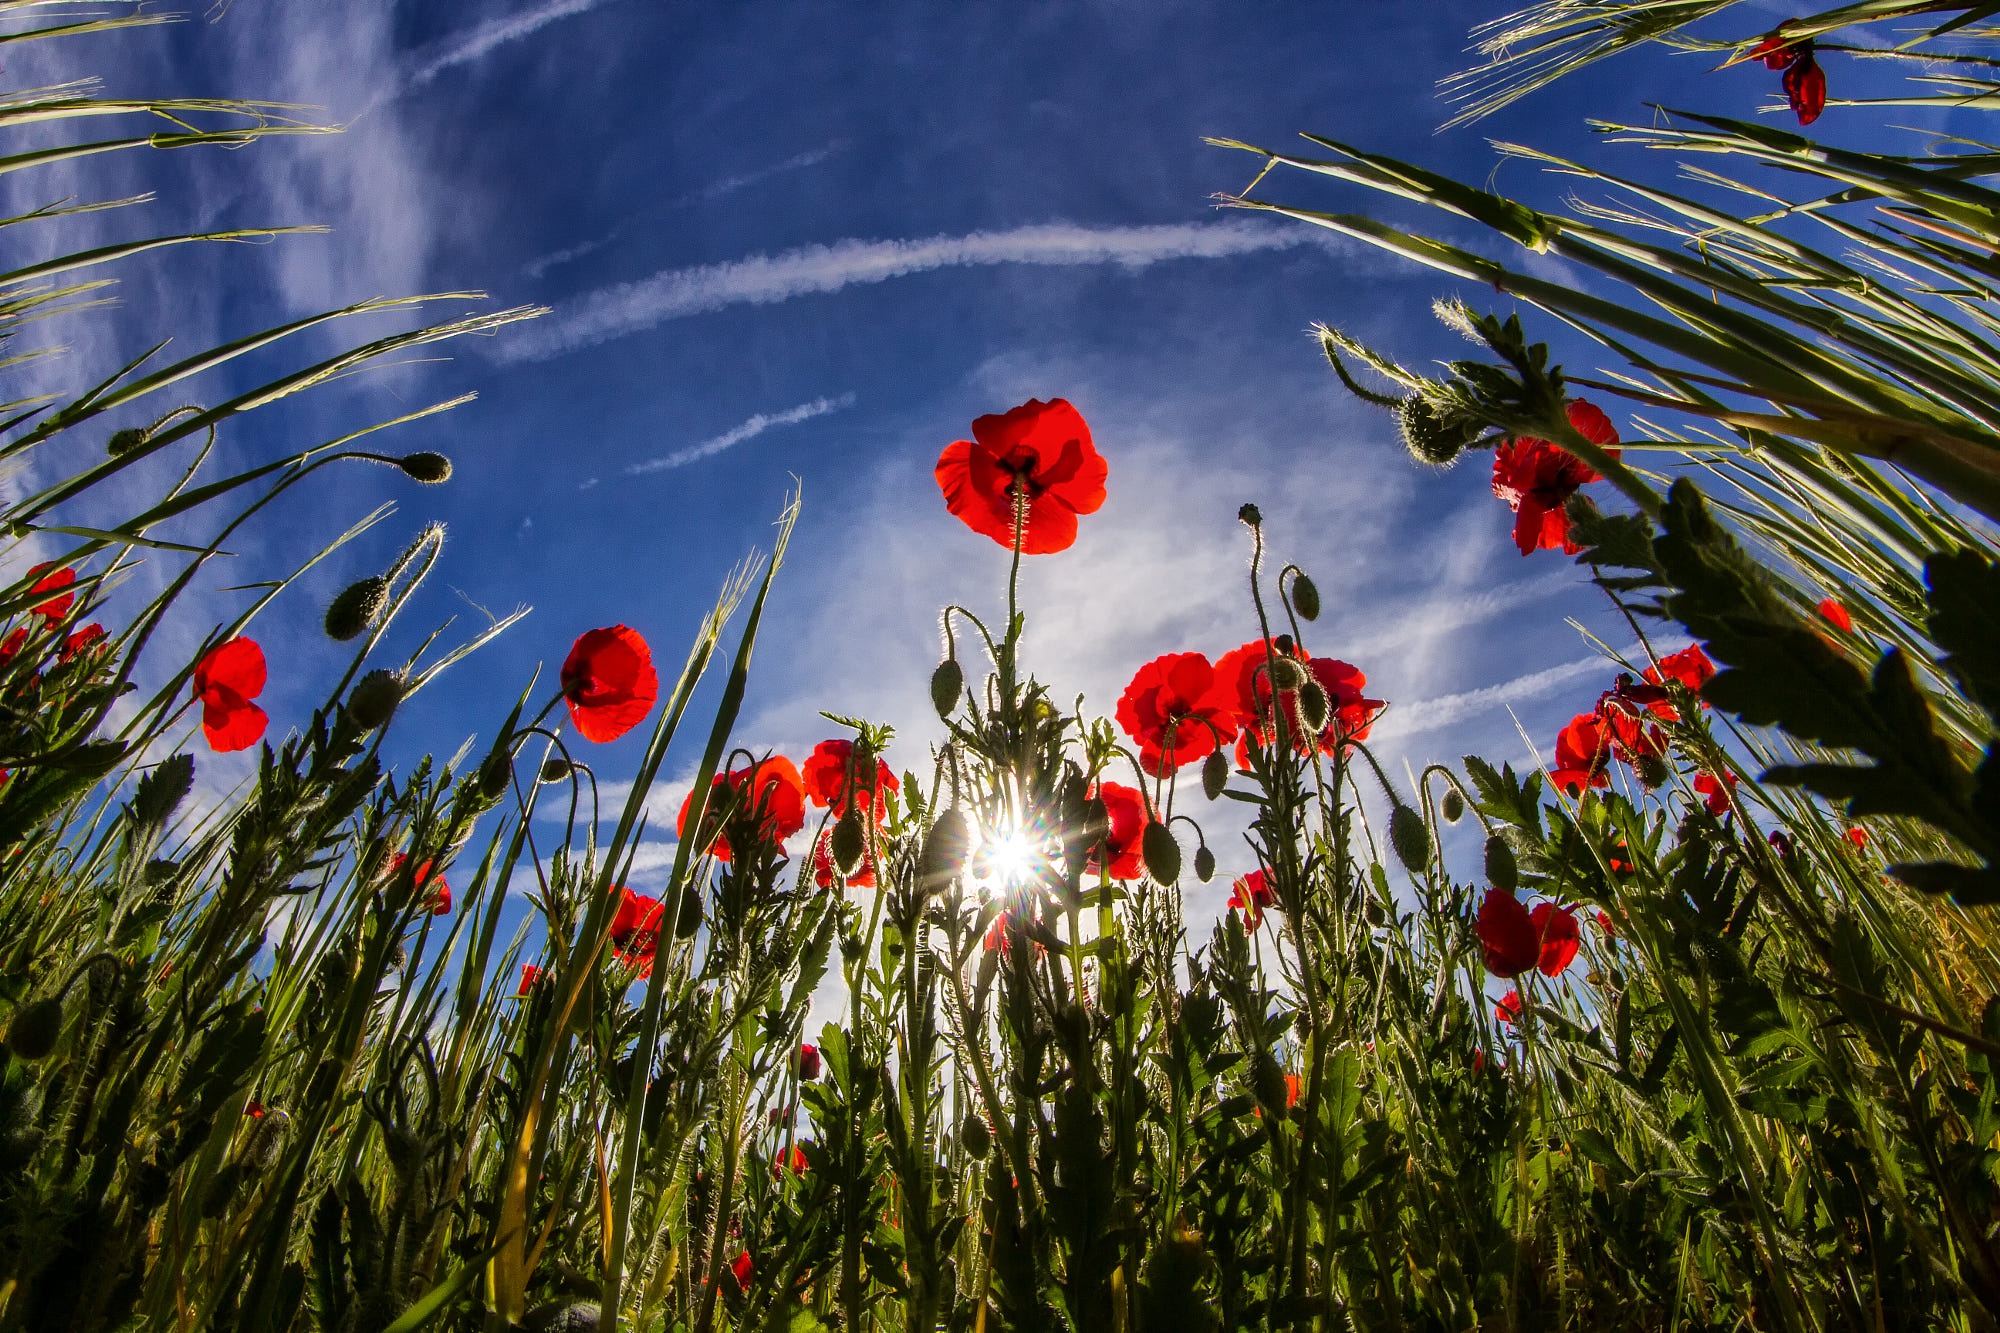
<point x="32" y="1034"/>
<point x="495" y="773"/>
<point x="851" y="947"/>
<point x="1372" y="910"/>
<point x="946" y="684"/>
<point x="1410" y="838"/>
<point x="563" y="1317"/>
<point x="1313" y="707"/>
<point x="1305" y="597"/>
<point x="1214" y="774"/>
<point x="1204" y="864"/>
<point x="266" y="1139"/>
<point x="1161" y="854"/>
<point x="1286" y="672"/>
<point x="689" y="919"/>
<point x="429" y="468"/>
<point x="1434" y="435"/>
<point x="1452" y="807"/>
<point x="358" y="606"/>
<point x="555" y="770"/>
<point x="1250" y="515"/>
<point x="976" y="1137"/>
<point x="124" y="441"/>
<point x="943" y="855"/>
<point x="849" y="841"/>
<point x="1501" y="871"/>
<point x="375" y="698"/>
<point x="1652" y="770"/>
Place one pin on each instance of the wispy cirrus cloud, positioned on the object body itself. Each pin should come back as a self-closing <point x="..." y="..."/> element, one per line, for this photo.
<point x="1451" y="709"/>
<point x="737" y="434"/>
<point x="631" y="307"/>
<point x="466" y="47"/>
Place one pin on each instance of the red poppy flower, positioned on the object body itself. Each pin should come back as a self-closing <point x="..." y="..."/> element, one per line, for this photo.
<point x="1251" y="894"/>
<point x="56" y="607"/>
<point x="1243" y="675"/>
<point x="808" y="1062"/>
<point x="1557" y="937"/>
<point x="1858" y="836"/>
<point x="1508" y="940"/>
<point x="1632" y="739"/>
<point x="226" y="679"/>
<point x="769" y="798"/>
<point x="795" y="1159"/>
<point x="1127" y="811"/>
<point x="635" y="929"/>
<point x="1714" y="795"/>
<point x="1836" y="615"/>
<point x="824" y="869"/>
<point x="439" y="900"/>
<point x="825" y="775"/>
<point x="530" y="974"/>
<point x="1804" y="82"/>
<point x="1583" y="752"/>
<point x="1536" y="479"/>
<point x="1038" y="455"/>
<point x="1690" y="667"/>
<point x="1292" y="1083"/>
<point x="740" y="1268"/>
<point x="608" y="682"/>
<point x="1620" y="859"/>
<point x="1509" y="1009"/>
<point x="1604" y="924"/>
<point x="81" y="641"/>
<point x="11" y="646"/>
<point x="254" y="1109"/>
<point x="1177" y="711"/>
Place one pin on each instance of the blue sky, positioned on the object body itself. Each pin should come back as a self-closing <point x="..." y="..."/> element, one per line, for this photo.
<point x="787" y="240"/>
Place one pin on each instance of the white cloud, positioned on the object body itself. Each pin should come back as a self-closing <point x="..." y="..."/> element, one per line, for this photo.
<point x="736" y="435"/>
<point x="466" y="47"/>
<point x="631" y="307"/>
<point x="1432" y="714"/>
<point x="731" y="184"/>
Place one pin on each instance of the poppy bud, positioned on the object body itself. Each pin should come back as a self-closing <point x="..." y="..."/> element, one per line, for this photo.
<point x="496" y="772"/>
<point x="374" y="699"/>
<point x="1411" y="839"/>
<point x="358" y="606"/>
<point x="1162" y="854"/>
<point x="1204" y="864"/>
<point x="33" y="1033"/>
<point x="946" y="683"/>
<point x="124" y="441"/>
<point x="976" y="1137"/>
<point x="851" y="947"/>
<point x="1372" y="910"/>
<point x="1305" y="597"/>
<point x="1250" y="515"/>
<point x="1452" y="807"/>
<point x="1652" y="770"/>
<point x="1434" y="435"/>
<point x="944" y="851"/>
<point x="555" y="770"/>
<point x="849" y="842"/>
<point x="1214" y="774"/>
<point x="1500" y="868"/>
<point x="429" y="468"/>
<point x="1313" y="707"/>
<point x="689" y="919"/>
<point x="808" y="1062"/>
<point x="266" y="1139"/>
<point x="563" y="1317"/>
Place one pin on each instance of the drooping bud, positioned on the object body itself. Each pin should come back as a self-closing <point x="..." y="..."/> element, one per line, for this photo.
<point x="976" y="1137"/>
<point x="1286" y="672"/>
<point x="1452" y="807"/>
<point x="1501" y="870"/>
<point x="555" y="770"/>
<point x="1161" y="853"/>
<point x="946" y="684"/>
<point x="1204" y="864"/>
<point x="36" y="1026"/>
<point x="1250" y="515"/>
<point x="688" y="920"/>
<point x="1305" y="597"/>
<point x="1372" y="910"/>
<point x="1214" y="774"/>
<point x="1652" y="770"/>
<point x="375" y="698"/>
<point x="496" y="772"/>
<point x="359" y="605"/>
<point x="429" y="468"/>
<point x="849" y="841"/>
<point x="124" y="441"/>
<point x="943" y="855"/>
<point x="1434" y="434"/>
<point x="1313" y="707"/>
<point x="1410" y="838"/>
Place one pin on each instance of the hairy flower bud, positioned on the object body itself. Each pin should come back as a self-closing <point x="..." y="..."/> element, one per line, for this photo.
<point x="946" y="683"/>
<point x="976" y="1137"/>
<point x="266" y="1139"/>
<point x="564" y="1317"/>
<point x="36" y="1026"/>
<point x="1162" y="854"/>
<point x="374" y="699"/>
<point x="1410" y="838"/>
<point x="1214" y="774"/>
<point x="1452" y="806"/>
<point x="1305" y="597"/>
<point x="1434" y="434"/>
<point x="497" y="770"/>
<point x="429" y="468"/>
<point x="1314" y="708"/>
<point x="944" y="851"/>
<point x="1251" y="515"/>
<point x="1286" y="672"/>
<point x="849" y="841"/>
<point x="555" y="770"/>
<point x="359" y="605"/>
<point x="1501" y="870"/>
<point x="1204" y="864"/>
<point x="124" y="441"/>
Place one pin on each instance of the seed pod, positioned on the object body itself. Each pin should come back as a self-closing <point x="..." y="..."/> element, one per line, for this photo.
<point x="976" y="1137"/>
<point x="1313" y="707"/>
<point x="1214" y="774"/>
<point x="429" y="468"/>
<point x="359" y="605"/>
<point x="374" y="700"/>
<point x="1251" y="515"/>
<point x="1411" y="838"/>
<point x="555" y="770"/>
<point x="1161" y="853"/>
<point x="1501" y="871"/>
<point x="1452" y="807"/>
<point x="124" y="441"/>
<point x="36" y="1026"/>
<point x="1305" y="597"/>
<point x="849" y="841"/>
<point x="1204" y="864"/>
<point x="946" y="684"/>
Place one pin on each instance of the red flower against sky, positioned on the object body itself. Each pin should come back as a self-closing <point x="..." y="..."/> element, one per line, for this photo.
<point x="1555" y="928"/>
<point x="1177" y="711"/>
<point x="1583" y="753"/>
<point x="1513" y="939"/>
<point x="1804" y="82"/>
<point x="1836" y="615"/>
<point x="635" y="929"/>
<point x="608" y="682"/>
<point x="1714" y="795"/>
<point x="1040" y="456"/>
<point x="226" y="679"/>
<point x="1604" y="924"/>
<point x="1689" y="667"/>
<point x="1251" y="894"/>
<point x="824" y="869"/>
<point x="1126" y="809"/>
<point x="81" y="641"/>
<point x="1632" y="738"/>
<point x="769" y="798"/>
<point x="530" y="974"/>
<point x="825" y="775"/>
<point x="1508" y="1011"/>
<point x="56" y="607"/>
<point x="808" y="1062"/>
<point x="1536" y="479"/>
<point x="1243" y="675"/>
<point x="439" y="900"/>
